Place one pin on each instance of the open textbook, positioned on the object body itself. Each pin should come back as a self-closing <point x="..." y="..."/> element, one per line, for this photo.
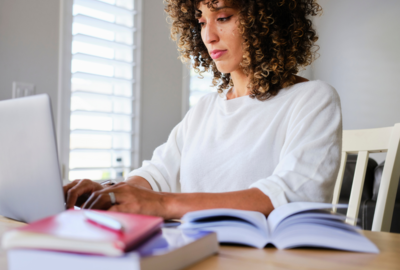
<point x="299" y="224"/>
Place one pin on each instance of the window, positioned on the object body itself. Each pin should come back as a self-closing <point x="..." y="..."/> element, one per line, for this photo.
<point x="103" y="101"/>
<point x="194" y="87"/>
<point x="199" y="87"/>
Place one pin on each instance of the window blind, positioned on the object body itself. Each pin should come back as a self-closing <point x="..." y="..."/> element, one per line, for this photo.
<point x="102" y="85"/>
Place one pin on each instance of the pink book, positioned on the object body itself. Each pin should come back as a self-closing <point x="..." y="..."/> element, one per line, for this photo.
<point x="72" y="231"/>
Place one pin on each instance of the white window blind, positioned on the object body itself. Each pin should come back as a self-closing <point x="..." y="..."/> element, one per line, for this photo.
<point x="102" y="117"/>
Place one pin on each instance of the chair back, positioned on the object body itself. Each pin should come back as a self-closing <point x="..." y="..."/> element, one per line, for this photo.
<point x="363" y="142"/>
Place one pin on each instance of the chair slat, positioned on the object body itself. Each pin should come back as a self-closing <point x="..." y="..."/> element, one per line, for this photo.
<point x="371" y="140"/>
<point x="388" y="186"/>
<point x="339" y="180"/>
<point x="357" y="187"/>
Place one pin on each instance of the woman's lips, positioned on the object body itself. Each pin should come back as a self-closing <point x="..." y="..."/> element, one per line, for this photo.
<point x="217" y="53"/>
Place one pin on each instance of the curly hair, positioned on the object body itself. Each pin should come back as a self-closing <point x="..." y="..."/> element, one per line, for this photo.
<point x="279" y="40"/>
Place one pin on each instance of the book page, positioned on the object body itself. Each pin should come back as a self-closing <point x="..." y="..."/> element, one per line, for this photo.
<point x="255" y="218"/>
<point x="313" y="234"/>
<point x="289" y="209"/>
<point x="231" y="225"/>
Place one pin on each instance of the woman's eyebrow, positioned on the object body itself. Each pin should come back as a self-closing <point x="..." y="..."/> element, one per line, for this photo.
<point x="219" y="8"/>
<point x="198" y="13"/>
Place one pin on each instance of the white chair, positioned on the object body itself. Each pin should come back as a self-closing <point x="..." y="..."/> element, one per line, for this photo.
<point x="363" y="142"/>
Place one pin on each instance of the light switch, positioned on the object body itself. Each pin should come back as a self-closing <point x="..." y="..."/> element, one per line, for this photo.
<point x="21" y="89"/>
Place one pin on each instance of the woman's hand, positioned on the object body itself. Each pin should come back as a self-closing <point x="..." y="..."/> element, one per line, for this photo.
<point x="78" y="191"/>
<point x="130" y="199"/>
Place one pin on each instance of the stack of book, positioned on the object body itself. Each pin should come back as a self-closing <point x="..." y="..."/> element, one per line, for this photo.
<point x="86" y="239"/>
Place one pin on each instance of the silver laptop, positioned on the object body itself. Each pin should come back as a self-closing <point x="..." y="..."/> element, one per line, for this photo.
<point x="30" y="180"/>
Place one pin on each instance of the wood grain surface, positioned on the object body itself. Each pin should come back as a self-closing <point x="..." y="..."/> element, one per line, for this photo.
<point x="246" y="258"/>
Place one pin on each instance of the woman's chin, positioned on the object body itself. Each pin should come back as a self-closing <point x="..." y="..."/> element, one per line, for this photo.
<point x="223" y="67"/>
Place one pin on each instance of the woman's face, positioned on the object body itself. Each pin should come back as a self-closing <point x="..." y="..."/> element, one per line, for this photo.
<point x="220" y="34"/>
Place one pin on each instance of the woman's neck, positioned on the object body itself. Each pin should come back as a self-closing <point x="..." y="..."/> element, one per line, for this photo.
<point x="240" y="81"/>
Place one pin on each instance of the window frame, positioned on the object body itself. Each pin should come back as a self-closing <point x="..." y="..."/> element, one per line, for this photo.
<point x="64" y="87"/>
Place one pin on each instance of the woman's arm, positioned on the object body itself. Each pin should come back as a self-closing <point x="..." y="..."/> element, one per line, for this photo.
<point x="132" y="198"/>
<point x="138" y="181"/>
<point x="250" y="199"/>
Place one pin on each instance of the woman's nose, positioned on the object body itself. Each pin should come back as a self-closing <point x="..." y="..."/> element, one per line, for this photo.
<point x="210" y="34"/>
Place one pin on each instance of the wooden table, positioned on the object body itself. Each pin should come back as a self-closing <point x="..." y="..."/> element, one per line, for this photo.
<point x="244" y="258"/>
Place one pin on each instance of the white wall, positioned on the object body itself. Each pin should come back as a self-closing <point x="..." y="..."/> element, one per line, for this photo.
<point x="359" y="39"/>
<point x="29" y="46"/>
<point x="161" y="79"/>
<point x="360" y="57"/>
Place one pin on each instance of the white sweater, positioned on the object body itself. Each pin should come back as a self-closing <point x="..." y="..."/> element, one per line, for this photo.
<point x="288" y="146"/>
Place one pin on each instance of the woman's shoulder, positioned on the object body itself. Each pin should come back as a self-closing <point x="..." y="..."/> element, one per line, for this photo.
<point x="202" y="104"/>
<point x="318" y="87"/>
<point x="312" y="91"/>
<point x="206" y="100"/>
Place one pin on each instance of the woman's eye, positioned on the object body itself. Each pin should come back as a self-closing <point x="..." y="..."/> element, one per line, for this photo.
<point x="224" y="19"/>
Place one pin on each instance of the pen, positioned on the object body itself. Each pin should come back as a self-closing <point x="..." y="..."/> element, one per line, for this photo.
<point x="104" y="220"/>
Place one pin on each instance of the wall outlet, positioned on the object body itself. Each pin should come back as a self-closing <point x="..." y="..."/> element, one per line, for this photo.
<point x="21" y="89"/>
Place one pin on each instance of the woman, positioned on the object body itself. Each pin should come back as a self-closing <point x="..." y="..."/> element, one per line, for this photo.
<point x="268" y="137"/>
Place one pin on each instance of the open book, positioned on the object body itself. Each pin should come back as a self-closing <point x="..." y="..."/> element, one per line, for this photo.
<point x="300" y="224"/>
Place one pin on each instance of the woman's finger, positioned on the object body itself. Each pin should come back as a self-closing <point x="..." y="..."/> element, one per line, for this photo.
<point x="91" y="199"/>
<point x="103" y="202"/>
<point x="73" y="194"/>
<point x="123" y="208"/>
<point x="99" y="200"/>
<point x="117" y="208"/>
<point x="81" y="189"/>
<point x="67" y="187"/>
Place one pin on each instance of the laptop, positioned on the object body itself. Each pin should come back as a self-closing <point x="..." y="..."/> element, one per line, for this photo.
<point x="30" y="179"/>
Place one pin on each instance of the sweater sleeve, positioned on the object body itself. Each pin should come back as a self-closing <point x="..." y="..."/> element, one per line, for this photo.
<point x="163" y="170"/>
<point x="310" y="157"/>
